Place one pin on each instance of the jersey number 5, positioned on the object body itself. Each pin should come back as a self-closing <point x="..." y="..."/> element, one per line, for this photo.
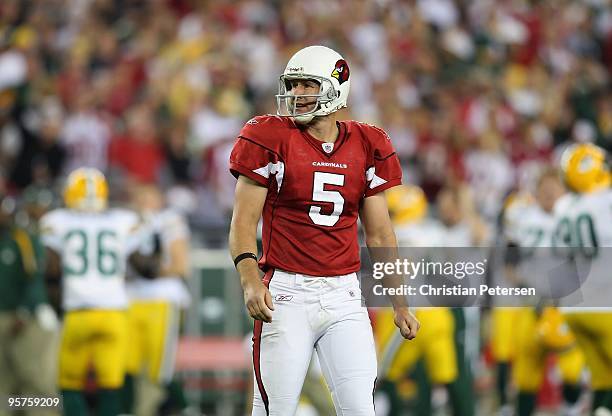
<point x="319" y="194"/>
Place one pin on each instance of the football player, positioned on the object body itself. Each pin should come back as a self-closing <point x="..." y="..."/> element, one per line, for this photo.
<point x="529" y="227"/>
<point x="27" y="322"/>
<point x="463" y="229"/>
<point x="502" y="317"/>
<point x="583" y="230"/>
<point x="157" y="297"/>
<point x="88" y="248"/>
<point x="435" y="344"/>
<point x="311" y="176"/>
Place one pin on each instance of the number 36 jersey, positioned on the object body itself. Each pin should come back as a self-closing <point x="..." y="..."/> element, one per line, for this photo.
<point x="93" y="248"/>
<point x="315" y="190"/>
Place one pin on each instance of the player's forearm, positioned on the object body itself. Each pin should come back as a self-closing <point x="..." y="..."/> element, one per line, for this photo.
<point x="249" y="201"/>
<point x="53" y="266"/>
<point x="174" y="271"/>
<point x="243" y="239"/>
<point x="382" y="247"/>
<point x="395" y="281"/>
<point x="179" y="259"/>
<point x="147" y="266"/>
<point x="382" y="244"/>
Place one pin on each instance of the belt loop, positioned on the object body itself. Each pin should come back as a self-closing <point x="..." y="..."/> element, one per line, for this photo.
<point x="299" y="279"/>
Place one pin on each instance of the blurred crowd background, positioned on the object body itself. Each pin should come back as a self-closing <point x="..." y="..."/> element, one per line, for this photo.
<point x="479" y="92"/>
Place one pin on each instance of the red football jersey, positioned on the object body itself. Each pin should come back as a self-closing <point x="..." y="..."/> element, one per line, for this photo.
<point x="315" y="190"/>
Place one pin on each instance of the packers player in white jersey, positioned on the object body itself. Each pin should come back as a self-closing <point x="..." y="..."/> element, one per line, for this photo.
<point x="435" y="344"/>
<point x="529" y="227"/>
<point x="584" y="232"/>
<point x="156" y="300"/>
<point x="88" y="246"/>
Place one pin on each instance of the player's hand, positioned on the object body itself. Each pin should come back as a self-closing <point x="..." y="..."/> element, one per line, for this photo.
<point x="17" y="326"/>
<point x="407" y="323"/>
<point x="258" y="300"/>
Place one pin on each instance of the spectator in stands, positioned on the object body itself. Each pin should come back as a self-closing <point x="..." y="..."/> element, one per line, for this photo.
<point x="86" y="134"/>
<point x="138" y="153"/>
<point x="41" y="156"/>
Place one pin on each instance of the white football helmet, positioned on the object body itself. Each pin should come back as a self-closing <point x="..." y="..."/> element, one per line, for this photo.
<point x="325" y="66"/>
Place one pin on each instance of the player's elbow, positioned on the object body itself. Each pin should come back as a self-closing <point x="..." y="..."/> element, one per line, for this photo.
<point x="381" y="237"/>
<point x="246" y="222"/>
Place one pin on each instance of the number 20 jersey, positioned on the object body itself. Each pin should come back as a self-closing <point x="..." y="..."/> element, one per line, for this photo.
<point x="93" y="248"/>
<point x="315" y="190"/>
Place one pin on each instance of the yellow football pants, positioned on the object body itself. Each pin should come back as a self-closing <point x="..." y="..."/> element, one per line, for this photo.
<point x="593" y="331"/>
<point x="503" y="334"/>
<point x="93" y="337"/>
<point x="434" y="343"/>
<point x="154" y="330"/>
<point x="533" y="346"/>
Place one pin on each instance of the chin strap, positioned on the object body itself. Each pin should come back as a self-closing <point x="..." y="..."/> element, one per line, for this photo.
<point x="304" y="119"/>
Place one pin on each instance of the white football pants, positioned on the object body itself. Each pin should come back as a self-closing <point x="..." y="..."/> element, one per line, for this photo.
<point x="314" y="313"/>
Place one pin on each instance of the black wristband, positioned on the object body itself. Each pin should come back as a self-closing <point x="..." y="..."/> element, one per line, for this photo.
<point x="243" y="256"/>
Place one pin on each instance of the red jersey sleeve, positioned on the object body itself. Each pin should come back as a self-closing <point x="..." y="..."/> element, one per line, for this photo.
<point x="253" y="157"/>
<point x="384" y="170"/>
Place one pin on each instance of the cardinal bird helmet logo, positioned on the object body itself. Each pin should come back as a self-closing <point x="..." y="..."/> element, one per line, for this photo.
<point x="341" y="71"/>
